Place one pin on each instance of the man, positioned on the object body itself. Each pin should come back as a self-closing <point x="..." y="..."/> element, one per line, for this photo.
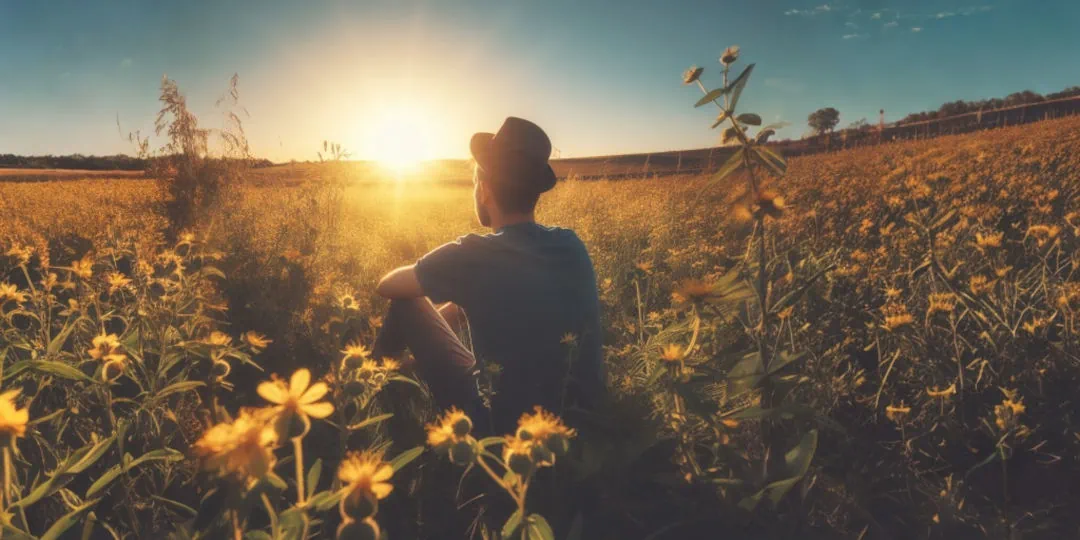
<point x="528" y="292"/>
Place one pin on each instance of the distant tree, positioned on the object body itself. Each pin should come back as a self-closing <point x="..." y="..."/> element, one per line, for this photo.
<point x="823" y="120"/>
<point x="859" y="125"/>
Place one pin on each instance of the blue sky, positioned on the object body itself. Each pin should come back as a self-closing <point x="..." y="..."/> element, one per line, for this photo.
<point x="600" y="77"/>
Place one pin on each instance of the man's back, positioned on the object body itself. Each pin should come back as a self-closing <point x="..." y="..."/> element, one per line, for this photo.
<point x="524" y="289"/>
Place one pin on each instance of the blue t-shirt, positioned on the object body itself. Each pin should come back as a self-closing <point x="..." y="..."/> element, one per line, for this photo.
<point x="523" y="289"/>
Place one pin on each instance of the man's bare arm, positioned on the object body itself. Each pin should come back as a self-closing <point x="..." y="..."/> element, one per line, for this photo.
<point x="400" y="283"/>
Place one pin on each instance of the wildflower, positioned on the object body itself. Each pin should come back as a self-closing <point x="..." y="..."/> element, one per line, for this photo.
<point x="690" y="76"/>
<point x="113" y="367"/>
<point x="692" y="290"/>
<point x="892" y="293"/>
<point x="945" y="394"/>
<point x="770" y="202"/>
<point x="1043" y="233"/>
<point x="348" y="302"/>
<point x="10" y="293"/>
<point x="644" y="266"/>
<point x="568" y="339"/>
<point x="1003" y="271"/>
<point x="104" y="345"/>
<point x="672" y="353"/>
<point x="980" y="284"/>
<point x="21" y="254"/>
<point x="12" y="420"/>
<point x="990" y="240"/>
<point x="255" y="340"/>
<point x="241" y="449"/>
<point x="375" y="322"/>
<point x="117" y="282"/>
<point x="896" y="316"/>
<point x="943" y="302"/>
<point x="453" y="426"/>
<point x="547" y="430"/>
<point x="298" y="398"/>
<point x="218" y="339"/>
<point x="896" y="413"/>
<point x="786" y="313"/>
<point x="49" y="282"/>
<point x="366" y="477"/>
<point x="1035" y="324"/>
<point x="1008" y="412"/>
<point x="83" y="268"/>
<point x="731" y="54"/>
<point x="355" y="350"/>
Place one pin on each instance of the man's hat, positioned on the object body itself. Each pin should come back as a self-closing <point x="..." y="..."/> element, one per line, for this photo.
<point x="517" y="154"/>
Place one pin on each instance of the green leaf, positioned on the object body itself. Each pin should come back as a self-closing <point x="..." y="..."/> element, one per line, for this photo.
<point x="59" y="369"/>
<point x="177" y="388"/>
<point x="790" y="298"/>
<point x="163" y="454"/>
<point x="313" y="477"/>
<point x="257" y="535"/>
<point x="91" y="455"/>
<point x="731" y="165"/>
<point x="769" y="158"/>
<point x="783" y="360"/>
<point x="720" y="119"/>
<point x="738" y="85"/>
<point x="370" y="421"/>
<point x="512" y="524"/>
<point x="749" y="119"/>
<point x="12" y="533"/>
<point x="776" y="126"/>
<point x="537" y="527"/>
<point x="712" y="95"/>
<point x="798" y="458"/>
<point x="58" y="341"/>
<point x="67" y="521"/>
<point x="176" y="505"/>
<point x="16" y="368"/>
<point x="325" y="500"/>
<point x="406" y="457"/>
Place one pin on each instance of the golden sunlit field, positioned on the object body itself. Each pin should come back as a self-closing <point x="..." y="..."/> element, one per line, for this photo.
<point x="923" y="299"/>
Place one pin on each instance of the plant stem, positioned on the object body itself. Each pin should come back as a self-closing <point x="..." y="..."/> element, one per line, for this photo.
<point x="273" y="517"/>
<point x="6" y="499"/>
<point x="238" y="532"/>
<point x="298" y="457"/>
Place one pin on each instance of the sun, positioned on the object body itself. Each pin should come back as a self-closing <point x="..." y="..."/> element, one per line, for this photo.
<point x="401" y="139"/>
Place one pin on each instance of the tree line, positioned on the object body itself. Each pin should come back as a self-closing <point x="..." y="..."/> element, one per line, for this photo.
<point x="118" y="162"/>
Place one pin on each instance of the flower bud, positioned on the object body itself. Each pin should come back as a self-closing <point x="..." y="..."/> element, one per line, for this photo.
<point x="521" y="464"/>
<point x="541" y="455"/>
<point x="462" y="426"/>
<point x="462" y="453"/>
<point x="365" y="529"/>
<point x="353" y="362"/>
<point x="524" y="434"/>
<point x="358" y="504"/>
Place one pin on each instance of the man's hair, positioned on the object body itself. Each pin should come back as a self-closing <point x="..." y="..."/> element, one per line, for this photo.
<point x="510" y="196"/>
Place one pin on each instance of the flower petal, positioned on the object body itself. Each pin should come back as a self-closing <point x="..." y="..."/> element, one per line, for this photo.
<point x="382" y="490"/>
<point x="299" y="382"/>
<point x="315" y="393"/>
<point x="272" y="392"/>
<point x="318" y="410"/>
<point x="383" y="473"/>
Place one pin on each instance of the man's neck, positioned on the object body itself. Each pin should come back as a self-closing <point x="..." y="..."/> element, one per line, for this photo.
<point x="498" y="222"/>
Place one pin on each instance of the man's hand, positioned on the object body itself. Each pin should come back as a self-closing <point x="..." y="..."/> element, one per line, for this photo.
<point x="400" y="283"/>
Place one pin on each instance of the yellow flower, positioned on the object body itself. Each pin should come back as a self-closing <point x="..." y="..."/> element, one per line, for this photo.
<point x="117" y="282"/>
<point x="389" y="364"/>
<point x="644" y="266"/>
<point x="256" y="340"/>
<point x="104" y="345"/>
<point x="298" y="397"/>
<point x="218" y="339"/>
<point x="980" y="284"/>
<point x="944" y="302"/>
<point x="49" y="282"/>
<point x="946" y="393"/>
<point x="243" y="448"/>
<point x="452" y="426"/>
<point x="896" y="316"/>
<point x="21" y="254"/>
<point x="691" y="75"/>
<point x="12" y="420"/>
<point x="990" y="240"/>
<point x="672" y="353"/>
<point x="896" y="413"/>
<point x="348" y="302"/>
<point x="892" y="293"/>
<point x="83" y="268"/>
<point x="1008" y="412"/>
<point x="542" y="425"/>
<point x="568" y="339"/>
<point x="113" y="367"/>
<point x="731" y="54"/>
<point x="355" y="350"/>
<point x="10" y="293"/>
<point x="692" y="290"/>
<point x="366" y="473"/>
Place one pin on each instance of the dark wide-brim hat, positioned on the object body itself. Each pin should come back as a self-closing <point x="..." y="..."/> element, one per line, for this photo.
<point x="518" y="154"/>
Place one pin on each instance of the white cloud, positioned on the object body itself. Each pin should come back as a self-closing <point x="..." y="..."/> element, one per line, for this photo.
<point x="823" y="8"/>
<point x="791" y="12"/>
<point x="854" y="36"/>
<point x="945" y="15"/>
<point x="850" y="24"/>
<point x="891" y="24"/>
<point x="876" y="16"/>
<point x="975" y="9"/>
<point x="125" y="63"/>
<point x="916" y="29"/>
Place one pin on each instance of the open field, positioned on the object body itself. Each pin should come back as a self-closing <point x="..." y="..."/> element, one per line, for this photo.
<point x="939" y="339"/>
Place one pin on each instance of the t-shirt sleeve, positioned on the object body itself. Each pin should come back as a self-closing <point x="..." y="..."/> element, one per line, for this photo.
<point x="445" y="273"/>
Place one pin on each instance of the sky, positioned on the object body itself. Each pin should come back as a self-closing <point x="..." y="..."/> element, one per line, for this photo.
<point x="599" y="77"/>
